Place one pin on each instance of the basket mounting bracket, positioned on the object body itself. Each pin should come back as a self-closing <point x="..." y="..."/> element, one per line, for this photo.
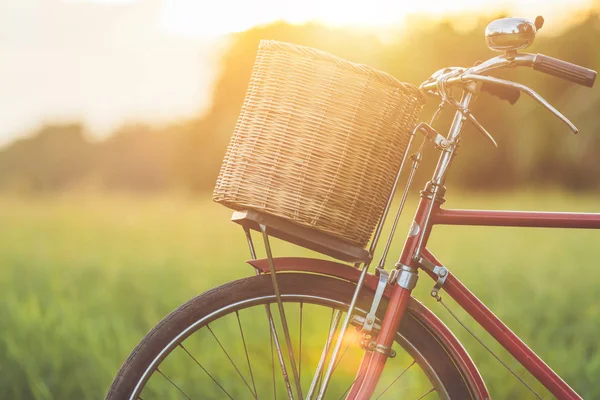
<point x="370" y="319"/>
<point x="438" y="140"/>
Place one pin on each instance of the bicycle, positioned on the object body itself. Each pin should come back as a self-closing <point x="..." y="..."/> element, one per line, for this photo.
<point x="330" y="296"/>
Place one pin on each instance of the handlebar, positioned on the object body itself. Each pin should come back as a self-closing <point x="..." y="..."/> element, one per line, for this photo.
<point x="564" y="70"/>
<point x="539" y="62"/>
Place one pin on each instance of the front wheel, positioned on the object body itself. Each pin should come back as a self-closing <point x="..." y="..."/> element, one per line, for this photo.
<point x="221" y="345"/>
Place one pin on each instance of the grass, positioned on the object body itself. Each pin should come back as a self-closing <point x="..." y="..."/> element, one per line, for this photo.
<point x="83" y="278"/>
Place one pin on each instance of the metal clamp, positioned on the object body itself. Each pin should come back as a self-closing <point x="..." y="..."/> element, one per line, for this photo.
<point x="370" y="318"/>
<point x="373" y="346"/>
<point x="439" y="270"/>
<point x="405" y="276"/>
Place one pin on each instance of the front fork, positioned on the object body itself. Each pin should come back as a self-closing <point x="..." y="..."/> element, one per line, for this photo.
<point x="373" y="362"/>
<point x="380" y="349"/>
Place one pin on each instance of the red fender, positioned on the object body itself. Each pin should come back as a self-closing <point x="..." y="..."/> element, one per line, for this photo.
<point x="351" y="274"/>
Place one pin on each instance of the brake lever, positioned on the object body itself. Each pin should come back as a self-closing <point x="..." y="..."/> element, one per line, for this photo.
<point x="524" y="89"/>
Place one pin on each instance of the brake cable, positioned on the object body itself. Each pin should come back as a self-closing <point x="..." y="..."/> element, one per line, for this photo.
<point x="439" y="299"/>
<point x="441" y="83"/>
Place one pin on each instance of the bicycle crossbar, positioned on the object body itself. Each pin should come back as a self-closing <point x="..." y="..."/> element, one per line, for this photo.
<point x="532" y="219"/>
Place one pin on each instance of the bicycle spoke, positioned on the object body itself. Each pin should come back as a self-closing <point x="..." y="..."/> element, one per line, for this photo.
<point x="334" y="320"/>
<point x="329" y="346"/>
<point x="237" y="314"/>
<point x="273" y="366"/>
<point x="300" y="345"/>
<point x="204" y="369"/>
<point x="430" y="391"/>
<point x="277" y="346"/>
<point x="340" y="359"/>
<point x="396" y="380"/>
<point x="350" y="387"/>
<point x="247" y="353"/>
<point x="230" y="360"/>
<point x="173" y="383"/>
<point x="331" y="318"/>
<point x="318" y="372"/>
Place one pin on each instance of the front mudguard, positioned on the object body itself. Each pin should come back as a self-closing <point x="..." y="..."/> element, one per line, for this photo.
<point x="351" y="274"/>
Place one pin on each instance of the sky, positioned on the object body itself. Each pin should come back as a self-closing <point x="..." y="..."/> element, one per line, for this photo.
<point x="109" y="62"/>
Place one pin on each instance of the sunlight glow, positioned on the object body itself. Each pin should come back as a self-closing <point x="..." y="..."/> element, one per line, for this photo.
<point x="194" y="18"/>
<point x="109" y="2"/>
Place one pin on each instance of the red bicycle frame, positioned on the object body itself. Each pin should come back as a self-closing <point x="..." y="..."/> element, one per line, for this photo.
<point x="415" y="255"/>
<point x="373" y="362"/>
<point x="467" y="300"/>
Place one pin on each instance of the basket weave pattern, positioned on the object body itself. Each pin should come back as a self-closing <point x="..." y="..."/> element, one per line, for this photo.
<point x="319" y="141"/>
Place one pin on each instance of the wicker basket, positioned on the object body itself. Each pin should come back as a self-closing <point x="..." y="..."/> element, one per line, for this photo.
<point x="318" y="142"/>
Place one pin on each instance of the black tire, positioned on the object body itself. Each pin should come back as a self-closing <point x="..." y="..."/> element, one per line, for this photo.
<point x="415" y="336"/>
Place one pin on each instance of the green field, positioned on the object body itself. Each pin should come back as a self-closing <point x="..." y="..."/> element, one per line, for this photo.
<point x="83" y="278"/>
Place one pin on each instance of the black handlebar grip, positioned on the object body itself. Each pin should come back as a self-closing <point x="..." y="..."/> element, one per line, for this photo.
<point x="564" y="70"/>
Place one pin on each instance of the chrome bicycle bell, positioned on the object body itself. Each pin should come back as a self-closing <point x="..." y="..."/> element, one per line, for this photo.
<point x="511" y="34"/>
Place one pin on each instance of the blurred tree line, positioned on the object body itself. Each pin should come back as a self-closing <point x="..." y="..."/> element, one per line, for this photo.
<point x="534" y="147"/>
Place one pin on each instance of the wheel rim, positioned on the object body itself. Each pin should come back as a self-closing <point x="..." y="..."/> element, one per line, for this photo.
<point x="399" y="378"/>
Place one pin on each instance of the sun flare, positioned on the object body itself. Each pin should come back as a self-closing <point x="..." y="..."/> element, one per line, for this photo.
<point x="193" y="18"/>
